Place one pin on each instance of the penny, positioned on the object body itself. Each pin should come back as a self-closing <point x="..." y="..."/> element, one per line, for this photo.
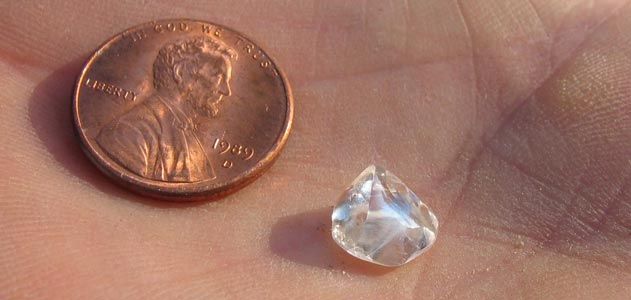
<point x="182" y="109"/>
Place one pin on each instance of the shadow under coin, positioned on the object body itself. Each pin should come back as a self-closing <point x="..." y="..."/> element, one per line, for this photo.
<point x="50" y="113"/>
<point x="306" y="239"/>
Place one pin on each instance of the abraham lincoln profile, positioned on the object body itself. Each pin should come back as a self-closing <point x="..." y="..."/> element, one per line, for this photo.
<point x="157" y="138"/>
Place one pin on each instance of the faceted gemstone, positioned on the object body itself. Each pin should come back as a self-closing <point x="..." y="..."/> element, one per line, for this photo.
<point x="380" y="220"/>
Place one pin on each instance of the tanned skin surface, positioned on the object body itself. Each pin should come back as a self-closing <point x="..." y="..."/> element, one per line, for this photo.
<point x="510" y="118"/>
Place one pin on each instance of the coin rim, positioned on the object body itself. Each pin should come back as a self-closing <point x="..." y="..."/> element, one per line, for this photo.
<point x="180" y="191"/>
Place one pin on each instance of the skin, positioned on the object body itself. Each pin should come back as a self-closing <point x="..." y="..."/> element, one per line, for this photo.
<point x="511" y="118"/>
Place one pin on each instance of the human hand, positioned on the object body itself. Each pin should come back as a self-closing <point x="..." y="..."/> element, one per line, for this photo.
<point x="511" y="119"/>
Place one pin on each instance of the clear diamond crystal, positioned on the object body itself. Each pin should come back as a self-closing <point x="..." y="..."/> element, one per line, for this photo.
<point x="380" y="220"/>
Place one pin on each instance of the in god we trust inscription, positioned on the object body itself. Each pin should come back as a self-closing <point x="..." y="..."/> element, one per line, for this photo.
<point x="182" y="109"/>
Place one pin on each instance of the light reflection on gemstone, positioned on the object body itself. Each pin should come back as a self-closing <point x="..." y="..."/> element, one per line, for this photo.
<point x="380" y="220"/>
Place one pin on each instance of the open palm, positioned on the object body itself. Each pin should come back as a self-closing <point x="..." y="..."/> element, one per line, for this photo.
<point x="511" y="118"/>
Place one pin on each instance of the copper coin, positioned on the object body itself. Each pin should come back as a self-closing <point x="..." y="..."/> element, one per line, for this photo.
<point x="182" y="109"/>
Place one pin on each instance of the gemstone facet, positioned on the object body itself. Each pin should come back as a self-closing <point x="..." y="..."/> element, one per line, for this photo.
<point x="380" y="220"/>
